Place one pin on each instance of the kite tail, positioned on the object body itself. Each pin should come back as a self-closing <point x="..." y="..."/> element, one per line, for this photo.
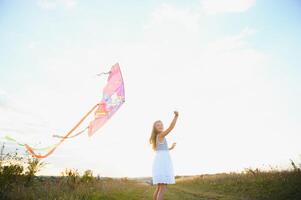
<point x="32" y="152"/>
<point x="12" y="140"/>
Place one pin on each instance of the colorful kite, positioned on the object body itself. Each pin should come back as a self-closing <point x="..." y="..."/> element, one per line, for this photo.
<point x="112" y="99"/>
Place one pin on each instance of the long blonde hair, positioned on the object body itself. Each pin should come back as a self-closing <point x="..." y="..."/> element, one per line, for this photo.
<point x="153" y="137"/>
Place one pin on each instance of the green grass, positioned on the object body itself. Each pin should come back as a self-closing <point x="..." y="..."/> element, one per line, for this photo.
<point x="284" y="185"/>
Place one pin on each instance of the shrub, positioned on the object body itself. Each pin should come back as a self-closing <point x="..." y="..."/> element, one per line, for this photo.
<point x="11" y="170"/>
<point x="71" y="177"/>
<point x="34" y="165"/>
<point x="87" y="176"/>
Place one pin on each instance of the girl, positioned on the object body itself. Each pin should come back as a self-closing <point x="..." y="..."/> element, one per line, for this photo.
<point x="162" y="167"/>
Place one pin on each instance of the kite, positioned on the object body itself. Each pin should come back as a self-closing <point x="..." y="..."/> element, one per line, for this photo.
<point x="113" y="97"/>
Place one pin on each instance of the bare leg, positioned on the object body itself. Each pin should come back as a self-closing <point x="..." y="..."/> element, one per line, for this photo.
<point x="156" y="193"/>
<point x="161" y="192"/>
<point x="159" y="188"/>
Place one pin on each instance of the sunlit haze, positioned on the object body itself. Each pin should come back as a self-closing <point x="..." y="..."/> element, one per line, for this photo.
<point x="230" y="67"/>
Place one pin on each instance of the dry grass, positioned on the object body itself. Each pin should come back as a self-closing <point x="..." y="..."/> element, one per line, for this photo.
<point x="285" y="185"/>
<point x="18" y="181"/>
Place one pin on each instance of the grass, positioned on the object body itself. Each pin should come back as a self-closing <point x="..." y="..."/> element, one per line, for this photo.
<point x="18" y="181"/>
<point x="284" y="185"/>
<point x="59" y="189"/>
<point x="275" y="185"/>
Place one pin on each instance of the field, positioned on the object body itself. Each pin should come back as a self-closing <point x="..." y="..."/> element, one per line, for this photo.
<point x="18" y="180"/>
<point x="285" y="185"/>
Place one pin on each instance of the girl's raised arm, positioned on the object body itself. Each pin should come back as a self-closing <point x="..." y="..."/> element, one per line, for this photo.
<point x="171" y="126"/>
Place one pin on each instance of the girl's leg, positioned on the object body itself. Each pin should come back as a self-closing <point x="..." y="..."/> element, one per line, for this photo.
<point x="161" y="192"/>
<point x="156" y="192"/>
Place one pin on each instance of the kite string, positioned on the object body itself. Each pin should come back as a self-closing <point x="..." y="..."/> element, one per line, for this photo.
<point x="72" y="136"/>
<point x="103" y="73"/>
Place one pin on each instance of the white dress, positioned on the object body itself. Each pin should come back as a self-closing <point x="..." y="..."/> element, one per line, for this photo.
<point x="162" y="165"/>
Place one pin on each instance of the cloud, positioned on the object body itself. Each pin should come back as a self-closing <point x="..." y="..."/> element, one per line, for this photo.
<point x="226" y="6"/>
<point x="169" y="22"/>
<point x="32" y="45"/>
<point x="2" y="92"/>
<point x="3" y="95"/>
<point x="53" y="4"/>
<point x="172" y="39"/>
<point x="16" y="119"/>
<point x="232" y="42"/>
<point x="171" y="31"/>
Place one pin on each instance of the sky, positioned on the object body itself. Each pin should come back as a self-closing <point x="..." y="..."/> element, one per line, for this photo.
<point x="230" y="67"/>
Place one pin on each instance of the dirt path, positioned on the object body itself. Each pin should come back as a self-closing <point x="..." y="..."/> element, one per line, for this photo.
<point x="197" y="194"/>
<point x="176" y="193"/>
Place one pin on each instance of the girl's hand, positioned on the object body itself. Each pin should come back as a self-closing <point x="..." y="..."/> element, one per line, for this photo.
<point x="173" y="146"/>
<point x="176" y="113"/>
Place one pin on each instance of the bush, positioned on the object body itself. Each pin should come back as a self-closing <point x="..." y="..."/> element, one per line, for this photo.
<point x="71" y="177"/>
<point x="87" y="176"/>
<point x="34" y="165"/>
<point x="11" y="171"/>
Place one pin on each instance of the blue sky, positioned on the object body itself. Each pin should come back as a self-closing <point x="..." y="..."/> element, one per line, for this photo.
<point x="22" y="22"/>
<point x="232" y="68"/>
